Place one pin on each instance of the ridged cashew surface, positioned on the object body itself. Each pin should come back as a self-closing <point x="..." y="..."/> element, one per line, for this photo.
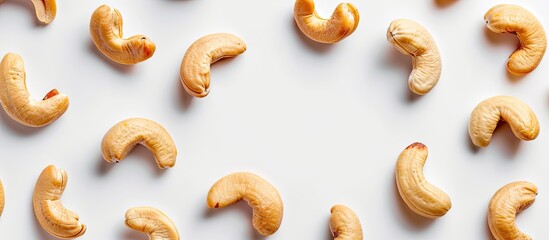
<point x="414" y="40"/>
<point x="153" y="222"/>
<point x="2" y="198"/>
<point x="262" y="197"/>
<point x="18" y="103"/>
<point x="125" y="135"/>
<point x="106" y="32"/>
<point x="506" y="203"/>
<point x="342" y="23"/>
<point x="195" y="66"/>
<point x="50" y="213"/>
<point x="344" y="224"/>
<point x="487" y="114"/>
<point x="420" y="195"/>
<point x="506" y="18"/>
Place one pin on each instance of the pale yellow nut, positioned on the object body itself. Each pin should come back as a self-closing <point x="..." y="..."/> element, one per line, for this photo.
<point x="153" y="222"/>
<point x="344" y="224"/>
<point x="125" y="135"/>
<point x="106" y="32"/>
<point x="18" y="103"/>
<point x="414" y="40"/>
<point x="262" y="197"/>
<point x="50" y="213"/>
<point x="2" y="198"/>
<point x="506" y="18"/>
<point x="506" y="203"/>
<point x="195" y="66"/>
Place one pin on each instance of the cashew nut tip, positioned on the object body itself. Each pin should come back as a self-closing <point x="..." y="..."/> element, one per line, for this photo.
<point x="195" y="66"/>
<point x="506" y="18"/>
<point x="262" y="197"/>
<point x="18" y="103"/>
<point x="45" y="10"/>
<point x="153" y="222"/>
<point x="106" y="32"/>
<point x="344" y="224"/>
<point x="2" y="198"/>
<point x="50" y="213"/>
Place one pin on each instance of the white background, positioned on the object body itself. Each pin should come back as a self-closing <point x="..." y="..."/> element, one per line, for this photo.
<point x="324" y="124"/>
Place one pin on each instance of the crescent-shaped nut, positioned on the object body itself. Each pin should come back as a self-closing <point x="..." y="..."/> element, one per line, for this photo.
<point x="487" y="114"/>
<point x="125" y="135"/>
<point x="506" y="18"/>
<point x="506" y="203"/>
<point x="195" y="66"/>
<point x="45" y="10"/>
<point x="50" y="213"/>
<point x="2" y="198"/>
<point x="414" y="40"/>
<point x="153" y="222"/>
<point x="18" y="103"/>
<point x="420" y="195"/>
<point x="344" y="223"/>
<point x="342" y="23"/>
<point x="106" y="32"/>
<point x="262" y="197"/>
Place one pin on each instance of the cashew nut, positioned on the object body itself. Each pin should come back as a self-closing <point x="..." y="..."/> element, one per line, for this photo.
<point x="18" y="103"/>
<point x="342" y="23"/>
<point x="50" y="213"/>
<point x="195" y="66"/>
<point x="506" y="18"/>
<point x="420" y="196"/>
<point x="412" y="39"/>
<point x="125" y="135"/>
<point x="344" y="224"/>
<point x="2" y="198"/>
<point x="262" y="197"/>
<point x="152" y="222"/>
<point x="106" y="32"/>
<point x="506" y="203"/>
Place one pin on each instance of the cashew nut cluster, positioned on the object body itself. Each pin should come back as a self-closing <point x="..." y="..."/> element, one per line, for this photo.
<point x="2" y="198"/>
<point x="153" y="222"/>
<point x="344" y="224"/>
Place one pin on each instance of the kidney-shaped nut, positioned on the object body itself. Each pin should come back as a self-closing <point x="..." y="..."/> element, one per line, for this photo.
<point x="2" y="198"/>
<point x="153" y="222"/>
<point x="125" y="135"/>
<point x="344" y="224"/>
<point x="45" y="10"/>
<point x="487" y="114"/>
<point x="506" y="18"/>
<point x="262" y="197"/>
<point x="506" y="203"/>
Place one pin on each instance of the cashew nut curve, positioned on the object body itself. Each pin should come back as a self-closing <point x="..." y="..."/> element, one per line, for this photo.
<point x="18" y="103"/>
<point x="342" y="23"/>
<point x="2" y="198"/>
<point x="45" y="10"/>
<point x="153" y="222"/>
<point x="262" y="197"/>
<point x="506" y="203"/>
<point x="344" y="224"/>
<point x="106" y="32"/>
<point x="50" y="213"/>
<point x="506" y="18"/>
<point x="412" y="39"/>
<point x="195" y="66"/>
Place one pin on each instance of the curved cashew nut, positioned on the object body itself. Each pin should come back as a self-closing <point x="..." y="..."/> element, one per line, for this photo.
<point x="412" y="39"/>
<point x="342" y="23"/>
<point x="420" y="195"/>
<point x="506" y="203"/>
<point x="506" y="18"/>
<point x="50" y="213"/>
<point x="487" y="114"/>
<point x="18" y="103"/>
<point x="344" y="224"/>
<point x="106" y="32"/>
<point x="125" y="135"/>
<point x="152" y="222"/>
<point x="262" y="197"/>
<point x="195" y="66"/>
<point x="2" y="198"/>
<point x="45" y="10"/>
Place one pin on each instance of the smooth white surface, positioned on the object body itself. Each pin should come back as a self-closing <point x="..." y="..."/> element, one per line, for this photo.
<point x="324" y="124"/>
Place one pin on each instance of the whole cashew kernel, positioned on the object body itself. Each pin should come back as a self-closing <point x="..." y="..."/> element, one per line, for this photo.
<point x="2" y="198"/>
<point x="152" y="222"/>
<point x="344" y="224"/>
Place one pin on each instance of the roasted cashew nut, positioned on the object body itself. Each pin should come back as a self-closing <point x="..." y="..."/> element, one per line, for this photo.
<point x="2" y="198"/>
<point x="344" y="224"/>
<point x="18" y="103"/>
<point x="262" y="197"/>
<point x="45" y="10"/>
<point x="153" y="222"/>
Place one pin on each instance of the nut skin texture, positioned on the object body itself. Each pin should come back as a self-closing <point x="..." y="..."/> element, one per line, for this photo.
<point x="262" y="197"/>
<point x="342" y="23"/>
<point x="195" y="66"/>
<point x="506" y="18"/>
<point x="106" y="32"/>
<point x="50" y="213"/>
<point x="487" y="114"/>
<point x="414" y="40"/>
<point x="2" y="198"/>
<point x="125" y="135"/>
<point x="18" y="103"/>
<point x="153" y="222"/>
<point x="506" y="203"/>
<point x="344" y="224"/>
<point x="421" y="196"/>
<point x="45" y="10"/>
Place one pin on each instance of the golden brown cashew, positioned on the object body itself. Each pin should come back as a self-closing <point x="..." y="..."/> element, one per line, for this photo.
<point x="260" y="195"/>
<point x="2" y="198"/>
<point x="506" y="18"/>
<point x="45" y="10"/>
<point x="342" y="23"/>
<point x="106" y="32"/>
<point x="344" y="224"/>
<point x="152" y="222"/>
<point x="18" y="103"/>
<point x="506" y="203"/>
<point x="125" y="135"/>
